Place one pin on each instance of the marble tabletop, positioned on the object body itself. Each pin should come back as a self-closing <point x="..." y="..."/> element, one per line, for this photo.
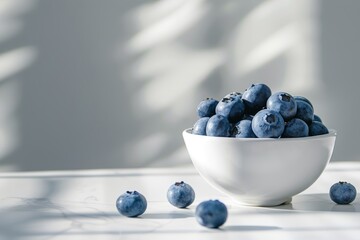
<point x="81" y="205"/>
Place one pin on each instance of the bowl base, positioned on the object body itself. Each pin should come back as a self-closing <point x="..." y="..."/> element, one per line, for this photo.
<point x="264" y="203"/>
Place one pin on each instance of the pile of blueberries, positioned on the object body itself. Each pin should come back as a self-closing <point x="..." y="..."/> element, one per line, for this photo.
<point x="210" y="213"/>
<point x="257" y="113"/>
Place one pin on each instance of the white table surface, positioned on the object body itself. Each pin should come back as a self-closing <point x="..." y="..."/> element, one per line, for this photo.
<point x="81" y="205"/>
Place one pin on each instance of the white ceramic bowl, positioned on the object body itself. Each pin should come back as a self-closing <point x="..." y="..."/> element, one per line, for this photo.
<point x="260" y="171"/>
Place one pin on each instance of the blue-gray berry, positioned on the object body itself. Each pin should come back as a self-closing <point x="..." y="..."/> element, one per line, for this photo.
<point x="268" y="124"/>
<point x="181" y="194"/>
<point x="211" y="213"/>
<point x="218" y="126"/>
<point x="317" y="128"/>
<point x="342" y="193"/>
<point x="296" y="128"/>
<point x="131" y="204"/>
<point x="282" y="103"/>
<point x="206" y="108"/>
<point x="255" y="97"/>
<point x="200" y="126"/>
<point x="232" y="108"/>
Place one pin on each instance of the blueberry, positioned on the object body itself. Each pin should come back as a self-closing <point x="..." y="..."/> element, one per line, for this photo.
<point x="268" y="124"/>
<point x="255" y="97"/>
<point x="180" y="195"/>
<point x="296" y="128"/>
<point x="200" y="126"/>
<point x="317" y="118"/>
<point x="317" y="128"/>
<point x="232" y="108"/>
<point x="283" y="103"/>
<point x="218" y="126"/>
<point x="206" y="108"/>
<point x="211" y="213"/>
<point x="301" y="98"/>
<point x="233" y="95"/>
<point x="342" y="193"/>
<point x="304" y="111"/>
<point x="131" y="204"/>
<point x="243" y="129"/>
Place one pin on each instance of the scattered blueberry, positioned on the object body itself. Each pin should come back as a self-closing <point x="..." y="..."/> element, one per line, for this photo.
<point x="296" y="128"/>
<point x="211" y="213"/>
<point x="255" y="97"/>
<point x="304" y="111"/>
<point x="317" y="128"/>
<point x="268" y="124"/>
<point x="219" y="126"/>
<point x="243" y="129"/>
<point x="200" y="126"/>
<point x="342" y="193"/>
<point x="232" y="108"/>
<point x="131" y="204"/>
<point x="206" y="108"/>
<point x="180" y="195"/>
<point x="283" y="103"/>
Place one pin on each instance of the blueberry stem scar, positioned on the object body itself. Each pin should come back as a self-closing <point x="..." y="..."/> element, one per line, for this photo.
<point x="179" y="183"/>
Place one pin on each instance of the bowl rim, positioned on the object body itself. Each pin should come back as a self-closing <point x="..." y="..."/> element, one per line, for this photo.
<point x="332" y="133"/>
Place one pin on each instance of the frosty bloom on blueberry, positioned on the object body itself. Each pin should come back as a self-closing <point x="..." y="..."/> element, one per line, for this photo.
<point x="211" y="213"/>
<point x="304" y="111"/>
<point x="296" y="128"/>
<point x="342" y="193"/>
<point x="218" y="126"/>
<point x="232" y="108"/>
<point x="268" y="124"/>
<point x="200" y="126"/>
<point x="243" y="129"/>
<point x="255" y="97"/>
<point x="131" y="204"/>
<point x="206" y="108"/>
<point x="181" y="195"/>
<point x="282" y="103"/>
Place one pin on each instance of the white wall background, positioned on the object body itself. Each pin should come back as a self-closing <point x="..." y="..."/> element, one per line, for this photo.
<point x="108" y="84"/>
